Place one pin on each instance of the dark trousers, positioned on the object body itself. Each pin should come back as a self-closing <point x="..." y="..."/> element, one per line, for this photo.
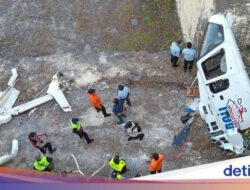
<point x="120" y="118"/>
<point x="45" y="147"/>
<point x="188" y="64"/>
<point x="139" y="136"/>
<point x="103" y="109"/>
<point x="81" y="133"/>
<point x="159" y="171"/>
<point x="174" y="60"/>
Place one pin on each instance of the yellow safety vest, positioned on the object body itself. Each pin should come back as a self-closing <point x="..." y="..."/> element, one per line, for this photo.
<point x="76" y="126"/>
<point x="41" y="164"/>
<point x="247" y="134"/>
<point x="117" y="167"/>
<point x="119" y="176"/>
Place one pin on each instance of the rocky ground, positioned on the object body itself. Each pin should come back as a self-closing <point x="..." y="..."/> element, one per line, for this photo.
<point x="158" y="100"/>
<point x="84" y="40"/>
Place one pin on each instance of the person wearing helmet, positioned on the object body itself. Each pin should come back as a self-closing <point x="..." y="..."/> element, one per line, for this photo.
<point x="43" y="163"/>
<point x="78" y="129"/>
<point x="118" y="164"/>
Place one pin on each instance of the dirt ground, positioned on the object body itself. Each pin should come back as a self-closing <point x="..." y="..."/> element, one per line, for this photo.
<point x="158" y="100"/>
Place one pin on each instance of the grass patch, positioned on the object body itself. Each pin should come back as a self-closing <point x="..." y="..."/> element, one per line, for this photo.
<point x="158" y="26"/>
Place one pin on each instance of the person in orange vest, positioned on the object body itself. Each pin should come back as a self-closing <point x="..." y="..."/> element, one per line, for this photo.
<point x="156" y="162"/>
<point x="96" y="102"/>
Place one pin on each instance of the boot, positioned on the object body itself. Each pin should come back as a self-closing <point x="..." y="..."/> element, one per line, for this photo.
<point x="53" y="150"/>
<point x="107" y="115"/>
<point x="90" y="141"/>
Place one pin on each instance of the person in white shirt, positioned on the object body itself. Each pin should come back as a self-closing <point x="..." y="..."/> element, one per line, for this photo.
<point x="133" y="130"/>
<point x="123" y="94"/>
<point x="175" y="52"/>
<point x="189" y="55"/>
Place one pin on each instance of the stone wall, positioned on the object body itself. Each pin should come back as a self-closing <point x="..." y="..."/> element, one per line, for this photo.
<point x="194" y="14"/>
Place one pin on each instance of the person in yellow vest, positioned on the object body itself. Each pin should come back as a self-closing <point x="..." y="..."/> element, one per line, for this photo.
<point x="43" y="163"/>
<point x="77" y="129"/>
<point x="118" y="164"/>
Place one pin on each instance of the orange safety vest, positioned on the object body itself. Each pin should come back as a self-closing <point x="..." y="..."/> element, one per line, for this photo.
<point x="156" y="165"/>
<point x="95" y="100"/>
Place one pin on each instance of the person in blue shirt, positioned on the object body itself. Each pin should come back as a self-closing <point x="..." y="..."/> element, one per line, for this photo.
<point x="118" y="110"/>
<point x="189" y="55"/>
<point x="123" y="94"/>
<point x="175" y="52"/>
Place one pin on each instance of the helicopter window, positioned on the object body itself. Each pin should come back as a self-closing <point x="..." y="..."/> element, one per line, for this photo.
<point x="213" y="36"/>
<point x="219" y="86"/>
<point x="215" y="66"/>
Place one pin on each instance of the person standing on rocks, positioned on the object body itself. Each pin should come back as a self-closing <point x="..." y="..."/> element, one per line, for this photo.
<point x="175" y="51"/>
<point x="37" y="142"/>
<point x="78" y="129"/>
<point x="96" y="102"/>
<point x="123" y="94"/>
<point x="189" y="55"/>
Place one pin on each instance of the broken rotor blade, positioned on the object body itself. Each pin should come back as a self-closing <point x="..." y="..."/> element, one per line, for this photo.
<point x="55" y="91"/>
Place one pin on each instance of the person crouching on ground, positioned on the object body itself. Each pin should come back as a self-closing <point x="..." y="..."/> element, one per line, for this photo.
<point x="43" y="163"/>
<point x="133" y="129"/>
<point x="40" y="144"/>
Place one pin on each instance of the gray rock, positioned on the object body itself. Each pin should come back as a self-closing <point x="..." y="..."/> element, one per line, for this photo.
<point x="134" y="22"/>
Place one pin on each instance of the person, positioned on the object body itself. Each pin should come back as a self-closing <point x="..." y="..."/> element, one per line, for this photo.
<point x="43" y="163"/>
<point x="189" y="56"/>
<point x="78" y="129"/>
<point x="123" y="94"/>
<point x="156" y="162"/>
<point x="134" y="131"/>
<point x="96" y="102"/>
<point x="175" y="52"/>
<point x="40" y="144"/>
<point x="245" y="133"/>
<point x="118" y="164"/>
<point x="116" y="175"/>
<point x="118" y="110"/>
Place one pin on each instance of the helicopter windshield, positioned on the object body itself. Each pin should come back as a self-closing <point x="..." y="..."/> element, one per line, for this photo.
<point x="213" y="36"/>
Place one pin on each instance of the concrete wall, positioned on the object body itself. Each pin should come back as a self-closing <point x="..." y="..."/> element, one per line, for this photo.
<point x="194" y="14"/>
